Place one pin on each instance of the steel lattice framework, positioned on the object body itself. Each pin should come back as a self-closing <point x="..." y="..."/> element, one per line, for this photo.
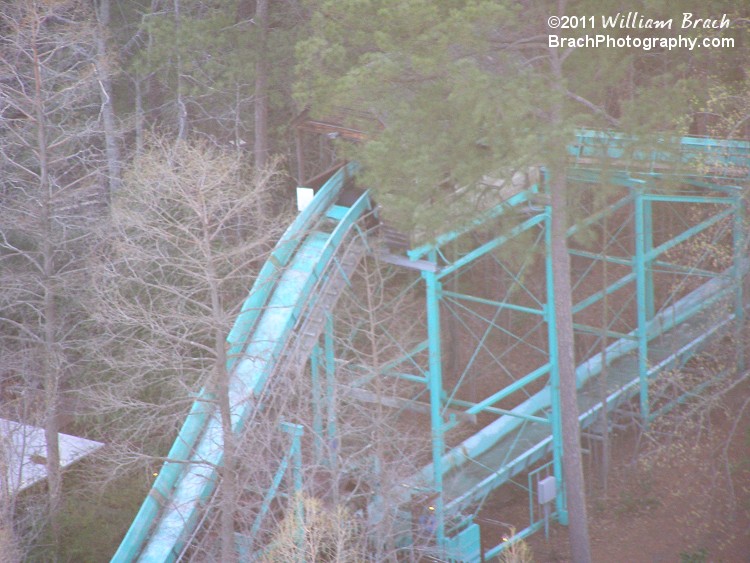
<point x="658" y="252"/>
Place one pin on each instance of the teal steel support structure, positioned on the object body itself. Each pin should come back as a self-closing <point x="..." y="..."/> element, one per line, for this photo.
<point x="643" y="297"/>
<point x="296" y="431"/>
<point x="554" y="377"/>
<point x="544" y="407"/>
<point x="648" y="247"/>
<point x="523" y="408"/>
<point x="330" y="389"/>
<point x="318" y="405"/>
<point x="435" y="374"/>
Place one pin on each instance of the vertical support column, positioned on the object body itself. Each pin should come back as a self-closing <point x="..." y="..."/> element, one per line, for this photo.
<point x="295" y="452"/>
<point x="330" y="394"/>
<point x="641" y="282"/>
<point x="739" y="257"/>
<point x="648" y="246"/>
<point x="436" y="392"/>
<point x="317" y="394"/>
<point x="554" y="377"/>
<point x="375" y="509"/>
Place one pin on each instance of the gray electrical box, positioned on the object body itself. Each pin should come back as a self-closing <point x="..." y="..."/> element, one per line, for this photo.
<point x="547" y="490"/>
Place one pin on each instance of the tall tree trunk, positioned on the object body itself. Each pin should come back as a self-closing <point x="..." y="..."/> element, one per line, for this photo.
<point x="105" y="86"/>
<point x="50" y="349"/>
<point x="260" y="146"/>
<point x="228" y="488"/>
<point x="572" y="462"/>
<point x="51" y="371"/>
<point x="139" y="115"/>
<point x="182" y="121"/>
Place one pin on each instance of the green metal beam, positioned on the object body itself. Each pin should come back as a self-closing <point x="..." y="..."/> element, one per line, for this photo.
<point x="510" y="389"/>
<point x="499" y="411"/>
<point x="490" y="246"/>
<point x="687" y="199"/>
<point x="498" y="304"/>
<point x="685" y="235"/>
<point x="554" y="360"/>
<point x="432" y="288"/>
<point x="601" y="332"/>
<point x="599" y="295"/>
<point x="497" y="211"/>
<point x="598" y="216"/>
<point x="601" y="257"/>
<point x="641" y="282"/>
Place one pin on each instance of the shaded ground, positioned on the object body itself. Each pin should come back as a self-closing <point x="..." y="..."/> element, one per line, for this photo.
<point x="686" y="500"/>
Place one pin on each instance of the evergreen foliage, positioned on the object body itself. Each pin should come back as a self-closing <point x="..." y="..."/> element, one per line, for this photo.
<point x="470" y="95"/>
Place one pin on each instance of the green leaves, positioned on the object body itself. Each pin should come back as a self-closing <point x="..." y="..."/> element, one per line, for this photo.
<point x="468" y="87"/>
<point x="434" y="75"/>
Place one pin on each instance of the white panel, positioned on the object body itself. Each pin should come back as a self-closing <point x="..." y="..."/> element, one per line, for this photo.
<point x="547" y="490"/>
<point x="304" y="197"/>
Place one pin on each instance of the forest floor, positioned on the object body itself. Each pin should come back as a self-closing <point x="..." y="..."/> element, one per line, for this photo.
<point x="684" y="499"/>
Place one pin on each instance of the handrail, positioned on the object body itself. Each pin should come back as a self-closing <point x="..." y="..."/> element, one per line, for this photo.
<point x="732" y="155"/>
<point x="202" y="414"/>
<point x="279" y="259"/>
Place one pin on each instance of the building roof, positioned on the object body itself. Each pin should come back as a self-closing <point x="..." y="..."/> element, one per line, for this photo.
<point x="346" y="123"/>
<point x="23" y="454"/>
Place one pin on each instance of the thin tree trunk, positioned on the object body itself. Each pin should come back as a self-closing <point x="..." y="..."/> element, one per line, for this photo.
<point x="228" y="487"/>
<point x="182" y="123"/>
<point x="105" y="86"/>
<point x="238" y="140"/>
<point x="228" y="491"/>
<point x="572" y="462"/>
<point x="378" y="436"/>
<point x="139" y="116"/>
<point x="260" y="146"/>
<point x="49" y="352"/>
<point x="51" y="393"/>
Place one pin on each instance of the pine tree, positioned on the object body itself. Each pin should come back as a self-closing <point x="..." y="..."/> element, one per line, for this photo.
<point x="467" y="89"/>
